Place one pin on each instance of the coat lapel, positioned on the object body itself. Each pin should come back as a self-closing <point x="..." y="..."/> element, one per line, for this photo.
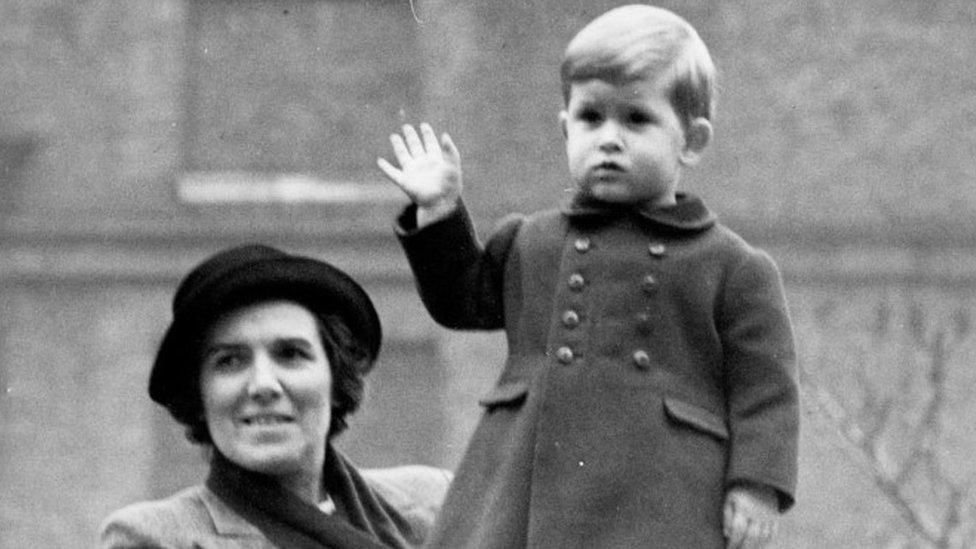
<point x="226" y="521"/>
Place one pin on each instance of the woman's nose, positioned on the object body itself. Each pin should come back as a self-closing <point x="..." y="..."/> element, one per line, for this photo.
<point x="263" y="383"/>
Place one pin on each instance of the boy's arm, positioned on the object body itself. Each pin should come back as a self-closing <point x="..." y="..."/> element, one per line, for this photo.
<point x="429" y="172"/>
<point x="760" y="379"/>
<point x="460" y="282"/>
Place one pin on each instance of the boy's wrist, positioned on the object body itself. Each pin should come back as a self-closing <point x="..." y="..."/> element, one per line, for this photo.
<point x="760" y="492"/>
<point x="435" y="211"/>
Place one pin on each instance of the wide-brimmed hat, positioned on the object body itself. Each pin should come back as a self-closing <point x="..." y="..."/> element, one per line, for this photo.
<point x="243" y="275"/>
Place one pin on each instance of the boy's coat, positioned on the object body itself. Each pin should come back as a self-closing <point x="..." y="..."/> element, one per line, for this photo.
<point x="679" y="378"/>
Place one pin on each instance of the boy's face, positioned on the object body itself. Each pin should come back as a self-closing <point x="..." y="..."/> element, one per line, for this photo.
<point x="626" y="144"/>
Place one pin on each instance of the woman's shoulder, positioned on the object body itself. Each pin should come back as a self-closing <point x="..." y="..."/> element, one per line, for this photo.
<point x="411" y="487"/>
<point x="159" y="522"/>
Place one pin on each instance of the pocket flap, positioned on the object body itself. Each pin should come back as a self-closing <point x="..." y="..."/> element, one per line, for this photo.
<point x="507" y="393"/>
<point x="696" y="417"/>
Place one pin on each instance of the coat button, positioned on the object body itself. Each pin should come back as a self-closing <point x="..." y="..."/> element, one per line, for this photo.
<point x="576" y="282"/>
<point x="582" y="244"/>
<point x="656" y="249"/>
<point x="643" y="322"/>
<point x="564" y="355"/>
<point x="570" y="319"/>
<point x="649" y="284"/>
<point x="642" y="360"/>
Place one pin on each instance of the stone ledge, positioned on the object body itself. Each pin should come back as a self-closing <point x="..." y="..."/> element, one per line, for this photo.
<point x="380" y="260"/>
<point x="235" y="187"/>
<point x="94" y="262"/>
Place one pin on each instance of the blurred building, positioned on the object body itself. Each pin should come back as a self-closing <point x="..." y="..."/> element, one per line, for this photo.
<point x="139" y="136"/>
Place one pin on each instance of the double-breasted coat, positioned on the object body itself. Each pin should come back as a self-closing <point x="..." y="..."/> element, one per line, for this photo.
<point x="650" y="366"/>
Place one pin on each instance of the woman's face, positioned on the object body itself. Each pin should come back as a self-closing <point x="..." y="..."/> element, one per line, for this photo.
<point x="266" y="388"/>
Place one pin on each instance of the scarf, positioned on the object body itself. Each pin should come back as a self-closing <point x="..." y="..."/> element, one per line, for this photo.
<point x="363" y="520"/>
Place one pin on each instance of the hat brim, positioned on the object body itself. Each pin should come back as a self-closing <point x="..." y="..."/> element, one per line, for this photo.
<point x="313" y="284"/>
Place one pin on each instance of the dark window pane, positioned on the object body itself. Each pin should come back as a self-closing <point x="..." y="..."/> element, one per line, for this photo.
<point x="297" y="86"/>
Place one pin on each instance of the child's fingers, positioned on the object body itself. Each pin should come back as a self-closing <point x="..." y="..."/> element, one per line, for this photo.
<point x="447" y="145"/>
<point x="727" y="515"/>
<point x="736" y="528"/>
<point x="400" y="149"/>
<point x="391" y="172"/>
<point x="735" y="540"/>
<point x="757" y="535"/>
<point x="430" y="139"/>
<point x="412" y="140"/>
<point x="762" y="532"/>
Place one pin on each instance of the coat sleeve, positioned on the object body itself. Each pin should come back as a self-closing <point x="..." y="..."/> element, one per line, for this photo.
<point x="760" y="377"/>
<point x="181" y="520"/>
<point x="132" y="528"/>
<point x="460" y="281"/>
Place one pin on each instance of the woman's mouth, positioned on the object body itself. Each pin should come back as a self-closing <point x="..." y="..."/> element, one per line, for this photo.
<point x="266" y="419"/>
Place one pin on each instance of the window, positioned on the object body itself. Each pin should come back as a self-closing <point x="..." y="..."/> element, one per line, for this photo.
<point x="283" y="95"/>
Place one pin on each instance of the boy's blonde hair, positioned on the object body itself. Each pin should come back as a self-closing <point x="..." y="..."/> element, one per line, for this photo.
<point x="641" y="42"/>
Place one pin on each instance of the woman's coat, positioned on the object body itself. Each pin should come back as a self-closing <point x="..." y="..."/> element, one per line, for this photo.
<point x="197" y="518"/>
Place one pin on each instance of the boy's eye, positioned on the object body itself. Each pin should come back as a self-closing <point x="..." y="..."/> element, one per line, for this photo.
<point x="589" y="115"/>
<point x="639" y="118"/>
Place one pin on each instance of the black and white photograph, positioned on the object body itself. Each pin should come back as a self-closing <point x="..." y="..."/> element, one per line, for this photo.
<point x="506" y="274"/>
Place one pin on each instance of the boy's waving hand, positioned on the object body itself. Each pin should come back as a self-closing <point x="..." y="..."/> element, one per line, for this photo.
<point x="429" y="172"/>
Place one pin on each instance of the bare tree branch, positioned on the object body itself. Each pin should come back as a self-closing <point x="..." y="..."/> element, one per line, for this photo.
<point x="830" y="408"/>
<point x="945" y="523"/>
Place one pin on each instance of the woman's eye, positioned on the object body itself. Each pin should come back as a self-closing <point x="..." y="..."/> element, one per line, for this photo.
<point x="227" y="361"/>
<point x="292" y="353"/>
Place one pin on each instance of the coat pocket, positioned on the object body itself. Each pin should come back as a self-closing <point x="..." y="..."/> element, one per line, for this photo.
<point x="696" y="417"/>
<point x="506" y="394"/>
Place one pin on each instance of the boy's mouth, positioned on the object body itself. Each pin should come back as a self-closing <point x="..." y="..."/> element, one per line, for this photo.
<point x="607" y="168"/>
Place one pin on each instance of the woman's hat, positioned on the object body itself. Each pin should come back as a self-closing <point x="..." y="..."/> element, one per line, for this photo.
<point x="246" y="274"/>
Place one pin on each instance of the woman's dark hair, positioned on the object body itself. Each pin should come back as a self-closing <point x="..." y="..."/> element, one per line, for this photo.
<point x="349" y="361"/>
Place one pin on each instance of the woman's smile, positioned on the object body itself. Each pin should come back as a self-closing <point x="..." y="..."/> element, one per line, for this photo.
<point x="267" y="388"/>
<point x="262" y="420"/>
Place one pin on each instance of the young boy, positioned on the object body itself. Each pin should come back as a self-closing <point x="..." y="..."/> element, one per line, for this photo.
<point x="649" y="395"/>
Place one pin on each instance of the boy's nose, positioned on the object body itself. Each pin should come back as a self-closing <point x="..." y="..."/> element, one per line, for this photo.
<point x="610" y="138"/>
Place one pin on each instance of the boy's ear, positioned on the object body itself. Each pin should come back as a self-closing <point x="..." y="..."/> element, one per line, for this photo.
<point x="563" y="119"/>
<point x="697" y="137"/>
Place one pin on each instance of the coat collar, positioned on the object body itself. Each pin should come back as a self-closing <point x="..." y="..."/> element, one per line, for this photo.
<point x="226" y="521"/>
<point x="688" y="214"/>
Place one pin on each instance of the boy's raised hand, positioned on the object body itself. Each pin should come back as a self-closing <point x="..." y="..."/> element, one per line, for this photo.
<point x="750" y="517"/>
<point x="429" y="172"/>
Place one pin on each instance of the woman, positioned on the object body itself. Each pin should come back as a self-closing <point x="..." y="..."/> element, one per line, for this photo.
<point x="265" y="357"/>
